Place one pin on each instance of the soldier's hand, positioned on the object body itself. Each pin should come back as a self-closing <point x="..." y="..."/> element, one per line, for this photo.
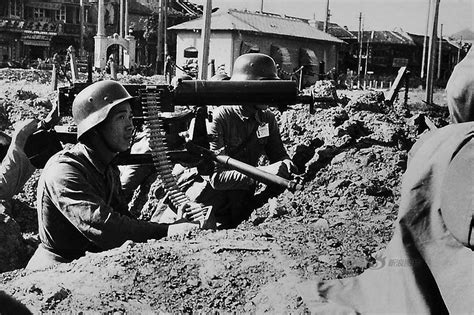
<point x="282" y="168"/>
<point x="191" y="211"/>
<point x="53" y="117"/>
<point x="182" y="227"/>
<point x="23" y="130"/>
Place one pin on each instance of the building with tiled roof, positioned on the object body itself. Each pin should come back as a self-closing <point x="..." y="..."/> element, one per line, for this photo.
<point x="390" y="50"/>
<point x="291" y="41"/>
<point x="336" y="30"/>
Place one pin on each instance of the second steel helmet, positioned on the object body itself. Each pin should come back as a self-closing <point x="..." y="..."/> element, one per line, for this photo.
<point x="254" y="66"/>
<point x="92" y="105"/>
<point x="219" y="77"/>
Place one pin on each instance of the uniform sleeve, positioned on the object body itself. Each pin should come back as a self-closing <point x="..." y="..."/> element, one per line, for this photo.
<point x="216" y="133"/>
<point x="223" y="179"/>
<point x="274" y="147"/>
<point x="70" y="192"/>
<point x="15" y="171"/>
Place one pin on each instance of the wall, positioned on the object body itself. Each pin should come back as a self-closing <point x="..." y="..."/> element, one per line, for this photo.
<point x="219" y="49"/>
<point x="226" y="47"/>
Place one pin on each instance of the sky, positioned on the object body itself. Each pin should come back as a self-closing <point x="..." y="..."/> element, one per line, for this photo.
<point x="409" y="15"/>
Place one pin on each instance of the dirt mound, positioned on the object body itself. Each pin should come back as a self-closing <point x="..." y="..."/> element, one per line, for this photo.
<point x="351" y="155"/>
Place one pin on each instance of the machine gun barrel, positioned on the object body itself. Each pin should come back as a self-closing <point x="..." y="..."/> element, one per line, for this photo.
<point x="246" y="169"/>
<point x="269" y="92"/>
<point x="257" y="174"/>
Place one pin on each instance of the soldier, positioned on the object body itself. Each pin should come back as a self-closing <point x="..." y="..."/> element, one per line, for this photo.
<point x="427" y="265"/>
<point x="16" y="168"/>
<point x="20" y="159"/>
<point x="460" y="90"/>
<point x="459" y="95"/>
<point x="80" y="203"/>
<point x="134" y="175"/>
<point x="245" y="133"/>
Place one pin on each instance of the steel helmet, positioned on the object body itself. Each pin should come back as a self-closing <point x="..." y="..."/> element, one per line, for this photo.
<point x="92" y="105"/>
<point x="175" y="81"/>
<point x="219" y="77"/>
<point x="254" y="66"/>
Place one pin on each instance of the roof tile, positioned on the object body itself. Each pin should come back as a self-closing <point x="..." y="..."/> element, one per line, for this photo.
<point x="236" y="20"/>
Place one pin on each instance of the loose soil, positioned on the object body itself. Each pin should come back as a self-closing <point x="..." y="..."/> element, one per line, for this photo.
<point x="351" y="155"/>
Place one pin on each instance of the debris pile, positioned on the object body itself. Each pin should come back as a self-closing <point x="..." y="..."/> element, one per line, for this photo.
<point x="351" y="156"/>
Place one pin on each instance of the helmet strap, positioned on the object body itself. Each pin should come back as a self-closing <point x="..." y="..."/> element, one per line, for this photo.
<point x="104" y="141"/>
<point x="96" y="140"/>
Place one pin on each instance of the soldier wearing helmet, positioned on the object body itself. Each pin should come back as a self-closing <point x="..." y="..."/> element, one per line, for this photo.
<point x="80" y="202"/>
<point x="433" y="240"/>
<point x="460" y="90"/>
<point x="427" y="267"/>
<point x="245" y="133"/>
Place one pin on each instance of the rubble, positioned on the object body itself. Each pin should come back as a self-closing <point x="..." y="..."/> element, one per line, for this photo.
<point x="351" y="155"/>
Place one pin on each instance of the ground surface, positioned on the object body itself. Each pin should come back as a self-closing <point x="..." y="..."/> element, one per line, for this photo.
<point x="351" y="155"/>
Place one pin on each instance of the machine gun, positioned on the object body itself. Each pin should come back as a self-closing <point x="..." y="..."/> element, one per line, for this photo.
<point x="155" y="107"/>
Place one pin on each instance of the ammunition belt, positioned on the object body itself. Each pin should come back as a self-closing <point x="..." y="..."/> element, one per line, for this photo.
<point x="151" y="103"/>
<point x="156" y="136"/>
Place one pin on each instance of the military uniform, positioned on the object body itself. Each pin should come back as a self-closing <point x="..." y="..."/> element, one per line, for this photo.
<point x="460" y="90"/>
<point x="15" y="170"/>
<point x="427" y="266"/>
<point x="81" y="208"/>
<point x="246" y="139"/>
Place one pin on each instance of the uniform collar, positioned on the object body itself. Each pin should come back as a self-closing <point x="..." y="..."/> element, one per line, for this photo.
<point x="256" y="117"/>
<point x="95" y="158"/>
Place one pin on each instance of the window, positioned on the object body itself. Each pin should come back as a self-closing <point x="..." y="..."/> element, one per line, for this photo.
<point x="61" y="14"/>
<point x="86" y="15"/>
<point x="38" y="13"/>
<point x="308" y="57"/>
<point x="15" y="8"/>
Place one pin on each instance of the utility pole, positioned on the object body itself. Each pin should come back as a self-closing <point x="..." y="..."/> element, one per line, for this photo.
<point x="159" y="39"/>
<point x="359" y="63"/>
<point x="431" y="52"/>
<point x="165" y="37"/>
<point x="81" y="24"/>
<point x="425" y="40"/>
<point x="440" y="51"/>
<point x="125" y="20"/>
<point x="367" y="54"/>
<point x="119" y="60"/>
<point x="165" y="26"/>
<point x="121" y="18"/>
<point x="205" y="39"/>
<point x="261" y="6"/>
<point x="100" y="53"/>
<point x="326" y="21"/>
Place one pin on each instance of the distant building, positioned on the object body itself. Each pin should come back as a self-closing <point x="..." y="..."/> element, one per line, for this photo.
<point x="291" y="42"/>
<point x="464" y="37"/>
<point x="451" y="53"/>
<point x="144" y="21"/>
<point x="345" y="61"/>
<point x="387" y="51"/>
<point x="39" y="29"/>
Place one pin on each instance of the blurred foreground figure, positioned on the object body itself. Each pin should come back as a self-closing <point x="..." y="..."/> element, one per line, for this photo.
<point x="80" y="203"/>
<point x="16" y="167"/>
<point x="244" y="133"/>
<point x="28" y="149"/>
<point x="460" y="90"/>
<point x="427" y="267"/>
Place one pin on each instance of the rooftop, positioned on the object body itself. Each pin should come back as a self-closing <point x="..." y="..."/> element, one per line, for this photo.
<point x="259" y="22"/>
